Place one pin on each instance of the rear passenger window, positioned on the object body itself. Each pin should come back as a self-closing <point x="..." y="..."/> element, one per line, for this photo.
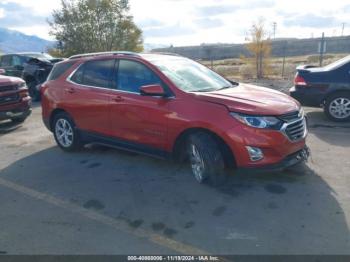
<point x="6" y="61"/>
<point x="95" y="73"/>
<point x="132" y="75"/>
<point x="59" y="69"/>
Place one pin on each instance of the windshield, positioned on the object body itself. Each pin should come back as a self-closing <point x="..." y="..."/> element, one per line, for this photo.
<point x="338" y="63"/>
<point x="189" y="75"/>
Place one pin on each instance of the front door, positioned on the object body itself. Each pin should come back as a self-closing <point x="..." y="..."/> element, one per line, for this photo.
<point x="136" y="118"/>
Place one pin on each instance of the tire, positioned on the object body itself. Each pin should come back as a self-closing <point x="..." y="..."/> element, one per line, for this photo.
<point x="18" y="120"/>
<point x="337" y="107"/>
<point x="206" y="159"/>
<point x="33" y="92"/>
<point x="66" y="135"/>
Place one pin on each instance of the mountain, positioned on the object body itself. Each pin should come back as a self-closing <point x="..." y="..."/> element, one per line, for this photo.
<point x="12" y="41"/>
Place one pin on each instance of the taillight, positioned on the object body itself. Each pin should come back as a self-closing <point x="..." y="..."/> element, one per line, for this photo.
<point x="299" y="81"/>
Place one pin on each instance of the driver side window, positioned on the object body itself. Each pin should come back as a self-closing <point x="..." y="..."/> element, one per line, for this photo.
<point x="132" y="75"/>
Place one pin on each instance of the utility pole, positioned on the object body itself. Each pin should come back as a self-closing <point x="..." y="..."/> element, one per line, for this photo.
<point x="284" y="57"/>
<point x="274" y="27"/>
<point x="342" y="29"/>
<point x="322" y="49"/>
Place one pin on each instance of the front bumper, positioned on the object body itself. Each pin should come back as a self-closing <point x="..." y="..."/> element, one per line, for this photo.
<point x="291" y="160"/>
<point x="18" y="110"/>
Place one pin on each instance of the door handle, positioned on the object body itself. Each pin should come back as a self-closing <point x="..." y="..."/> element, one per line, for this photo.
<point x="118" y="99"/>
<point x="70" y="90"/>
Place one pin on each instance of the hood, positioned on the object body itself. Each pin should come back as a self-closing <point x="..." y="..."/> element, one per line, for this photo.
<point x="9" y="80"/>
<point x="250" y="99"/>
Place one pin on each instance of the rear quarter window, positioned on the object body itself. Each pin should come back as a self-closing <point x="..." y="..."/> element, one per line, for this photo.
<point x="59" y="69"/>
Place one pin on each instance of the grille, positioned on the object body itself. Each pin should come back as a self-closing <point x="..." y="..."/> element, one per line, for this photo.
<point x="296" y="130"/>
<point x="289" y="117"/>
<point x="9" y="99"/>
<point x="8" y="88"/>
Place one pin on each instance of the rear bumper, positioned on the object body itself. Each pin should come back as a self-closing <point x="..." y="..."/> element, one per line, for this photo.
<point x="312" y="97"/>
<point x="291" y="160"/>
<point x="17" y="110"/>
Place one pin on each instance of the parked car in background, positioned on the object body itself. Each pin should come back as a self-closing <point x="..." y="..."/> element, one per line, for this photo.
<point x="15" y="102"/>
<point x="32" y="67"/>
<point x="327" y="87"/>
<point x="165" y="105"/>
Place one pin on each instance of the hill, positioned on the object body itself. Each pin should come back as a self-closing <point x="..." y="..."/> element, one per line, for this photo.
<point x="14" y="41"/>
<point x="280" y="47"/>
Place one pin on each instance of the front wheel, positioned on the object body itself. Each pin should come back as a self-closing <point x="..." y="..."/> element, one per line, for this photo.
<point x="65" y="133"/>
<point x="206" y="159"/>
<point x="337" y="107"/>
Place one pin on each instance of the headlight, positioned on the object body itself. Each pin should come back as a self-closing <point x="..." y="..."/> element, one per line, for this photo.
<point x="20" y="85"/>
<point x="269" y="122"/>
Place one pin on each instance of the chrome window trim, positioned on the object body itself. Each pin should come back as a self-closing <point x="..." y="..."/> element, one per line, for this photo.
<point x="68" y="79"/>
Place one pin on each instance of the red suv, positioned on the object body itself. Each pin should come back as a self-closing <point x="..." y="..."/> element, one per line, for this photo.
<point x="15" y="102"/>
<point x="167" y="105"/>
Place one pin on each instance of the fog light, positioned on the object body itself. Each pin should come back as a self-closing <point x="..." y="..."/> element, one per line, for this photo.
<point x="255" y="153"/>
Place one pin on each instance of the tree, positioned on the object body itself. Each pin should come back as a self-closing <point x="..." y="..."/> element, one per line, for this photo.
<point x="83" y="26"/>
<point x="260" y="47"/>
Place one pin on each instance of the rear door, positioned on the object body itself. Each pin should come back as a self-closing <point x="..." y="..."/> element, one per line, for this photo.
<point x="136" y="118"/>
<point x="87" y="95"/>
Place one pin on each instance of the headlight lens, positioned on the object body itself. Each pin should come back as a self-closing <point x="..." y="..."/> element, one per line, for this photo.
<point x="268" y="122"/>
<point x="20" y="85"/>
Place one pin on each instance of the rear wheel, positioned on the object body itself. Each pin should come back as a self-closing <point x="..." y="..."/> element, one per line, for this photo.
<point x="206" y="159"/>
<point x="337" y="107"/>
<point x="65" y="133"/>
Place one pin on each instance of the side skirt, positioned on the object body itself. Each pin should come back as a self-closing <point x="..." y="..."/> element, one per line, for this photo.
<point x="93" y="138"/>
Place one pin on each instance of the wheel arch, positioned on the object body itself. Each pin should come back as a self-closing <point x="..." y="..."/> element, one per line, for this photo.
<point x="55" y="112"/>
<point x="180" y="142"/>
<point x="336" y="91"/>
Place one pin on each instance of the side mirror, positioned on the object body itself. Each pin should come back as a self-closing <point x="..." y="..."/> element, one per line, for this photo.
<point x="2" y="71"/>
<point x="152" y="90"/>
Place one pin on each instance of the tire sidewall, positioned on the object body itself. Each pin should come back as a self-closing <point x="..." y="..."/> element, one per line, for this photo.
<point x="214" y="173"/>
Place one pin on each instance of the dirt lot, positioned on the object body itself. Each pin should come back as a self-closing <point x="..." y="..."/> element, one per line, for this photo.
<point x="104" y="201"/>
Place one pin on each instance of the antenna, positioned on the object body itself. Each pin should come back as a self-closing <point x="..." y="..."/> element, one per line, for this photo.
<point x="274" y="28"/>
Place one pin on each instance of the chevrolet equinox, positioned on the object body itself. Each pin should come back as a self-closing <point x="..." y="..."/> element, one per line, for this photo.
<point x="166" y="105"/>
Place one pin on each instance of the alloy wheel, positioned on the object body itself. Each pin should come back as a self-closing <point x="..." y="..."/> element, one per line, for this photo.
<point x="197" y="163"/>
<point x="340" y="108"/>
<point x="64" y="132"/>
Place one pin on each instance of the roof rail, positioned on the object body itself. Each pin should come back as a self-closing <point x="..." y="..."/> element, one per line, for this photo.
<point x="165" y="53"/>
<point x="104" y="53"/>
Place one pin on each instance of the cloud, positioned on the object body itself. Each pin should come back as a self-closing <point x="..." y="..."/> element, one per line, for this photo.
<point x="16" y="15"/>
<point x="311" y="20"/>
<point x="166" y="31"/>
<point x="147" y="23"/>
<point x="208" y="22"/>
<point x="212" y="10"/>
<point x="2" y="13"/>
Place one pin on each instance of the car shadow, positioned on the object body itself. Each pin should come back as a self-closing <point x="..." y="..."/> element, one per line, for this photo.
<point x="8" y="126"/>
<point x="334" y="133"/>
<point x="290" y="212"/>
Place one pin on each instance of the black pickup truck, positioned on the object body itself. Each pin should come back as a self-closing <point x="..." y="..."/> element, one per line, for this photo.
<point x="327" y="87"/>
<point x="32" y="67"/>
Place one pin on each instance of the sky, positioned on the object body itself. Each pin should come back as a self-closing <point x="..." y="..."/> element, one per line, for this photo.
<point x="193" y="22"/>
